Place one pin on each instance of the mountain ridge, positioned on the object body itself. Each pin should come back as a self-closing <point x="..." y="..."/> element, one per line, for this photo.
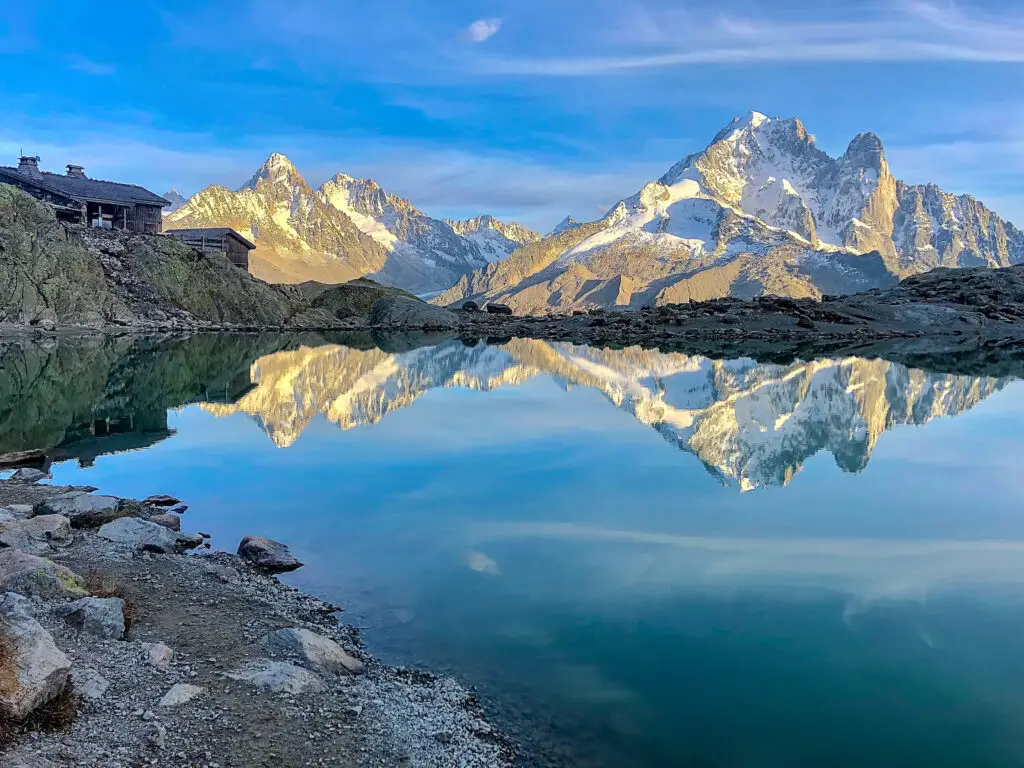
<point x="760" y="210"/>
<point x="345" y="229"/>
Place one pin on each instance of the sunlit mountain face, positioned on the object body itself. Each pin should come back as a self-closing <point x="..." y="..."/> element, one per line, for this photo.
<point x="751" y="424"/>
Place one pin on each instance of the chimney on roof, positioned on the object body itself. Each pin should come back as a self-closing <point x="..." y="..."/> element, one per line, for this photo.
<point x="29" y="166"/>
<point x="76" y="171"/>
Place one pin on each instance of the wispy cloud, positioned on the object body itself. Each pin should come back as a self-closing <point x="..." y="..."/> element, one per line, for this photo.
<point x="914" y="31"/>
<point x="482" y="30"/>
<point x="89" y="67"/>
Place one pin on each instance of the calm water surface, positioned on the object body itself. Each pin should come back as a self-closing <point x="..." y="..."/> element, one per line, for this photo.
<point x="640" y="559"/>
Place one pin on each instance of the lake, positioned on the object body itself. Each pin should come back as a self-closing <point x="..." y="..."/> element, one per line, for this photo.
<point x="638" y="558"/>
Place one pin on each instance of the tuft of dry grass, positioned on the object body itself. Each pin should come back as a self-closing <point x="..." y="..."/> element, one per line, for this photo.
<point x="99" y="585"/>
<point x="8" y="681"/>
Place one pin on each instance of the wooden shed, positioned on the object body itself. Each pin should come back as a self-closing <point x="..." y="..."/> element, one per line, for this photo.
<point x="77" y="198"/>
<point x="217" y="240"/>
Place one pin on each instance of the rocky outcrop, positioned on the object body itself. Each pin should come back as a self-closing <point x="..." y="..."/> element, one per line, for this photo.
<point x="406" y="312"/>
<point x="38" y="536"/>
<point x="53" y="274"/>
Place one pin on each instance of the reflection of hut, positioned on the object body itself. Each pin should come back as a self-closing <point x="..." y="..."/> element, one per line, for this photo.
<point x="101" y="436"/>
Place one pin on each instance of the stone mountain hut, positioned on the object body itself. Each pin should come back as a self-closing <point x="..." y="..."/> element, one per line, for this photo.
<point x="76" y="198"/>
<point x="216" y="240"/>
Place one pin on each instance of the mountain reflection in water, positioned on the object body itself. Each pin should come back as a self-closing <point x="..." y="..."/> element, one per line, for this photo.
<point x="751" y="424"/>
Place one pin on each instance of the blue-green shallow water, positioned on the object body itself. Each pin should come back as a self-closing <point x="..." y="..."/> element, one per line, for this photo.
<point x="640" y="559"/>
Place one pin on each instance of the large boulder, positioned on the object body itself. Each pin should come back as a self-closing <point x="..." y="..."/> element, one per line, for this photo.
<point x="29" y="475"/>
<point x="85" y="510"/>
<point x="317" y="652"/>
<point x="278" y="677"/>
<point x="405" y="311"/>
<point x="148" y="536"/>
<point x="38" y="535"/>
<point x="38" y="577"/>
<point x="267" y="554"/>
<point x="35" y="671"/>
<point x="495" y="308"/>
<point x="99" y="616"/>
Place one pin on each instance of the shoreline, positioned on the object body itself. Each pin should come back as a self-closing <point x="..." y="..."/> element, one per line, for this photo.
<point x="260" y="705"/>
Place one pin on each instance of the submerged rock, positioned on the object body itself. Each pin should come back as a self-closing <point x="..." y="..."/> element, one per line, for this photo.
<point x="38" y="577"/>
<point x="315" y="651"/>
<point x="267" y="554"/>
<point x="99" y="616"/>
<point x="278" y="677"/>
<point x="38" y="535"/>
<point x="38" y="671"/>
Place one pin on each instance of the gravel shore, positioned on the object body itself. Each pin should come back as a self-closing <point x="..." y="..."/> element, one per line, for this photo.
<point x="198" y="633"/>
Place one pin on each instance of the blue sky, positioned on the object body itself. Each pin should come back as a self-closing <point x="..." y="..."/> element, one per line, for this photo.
<point x="527" y="109"/>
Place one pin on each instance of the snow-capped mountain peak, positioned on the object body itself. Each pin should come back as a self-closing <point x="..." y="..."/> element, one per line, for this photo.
<point x="346" y="228"/>
<point x="761" y="209"/>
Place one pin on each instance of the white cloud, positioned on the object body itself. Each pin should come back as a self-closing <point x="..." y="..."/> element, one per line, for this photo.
<point x="482" y="30"/>
<point x="89" y="67"/>
<point x="913" y="31"/>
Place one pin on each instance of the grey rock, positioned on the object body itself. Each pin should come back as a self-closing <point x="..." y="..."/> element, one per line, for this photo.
<point x="30" y="475"/>
<point x="278" y="677"/>
<point x="495" y="308"/>
<point x="26" y="761"/>
<point x="171" y="522"/>
<point x="88" y="683"/>
<point x="38" y="535"/>
<point x="6" y="515"/>
<point x="39" y="671"/>
<point x="82" y="509"/>
<point x="38" y="577"/>
<point x="148" y="536"/>
<point x="99" y="616"/>
<point x="181" y="693"/>
<point x="179" y="509"/>
<point x="158" y="654"/>
<point x="161" y="500"/>
<point x="316" y="652"/>
<point x="156" y="736"/>
<point x="267" y="554"/>
<point x="20" y="511"/>
<point x="409" y="311"/>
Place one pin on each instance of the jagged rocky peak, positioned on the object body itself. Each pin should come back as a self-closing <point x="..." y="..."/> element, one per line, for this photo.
<point x="277" y="171"/>
<point x="866" y="151"/>
<point x="176" y="200"/>
<point x="564" y="226"/>
<point x="513" y="231"/>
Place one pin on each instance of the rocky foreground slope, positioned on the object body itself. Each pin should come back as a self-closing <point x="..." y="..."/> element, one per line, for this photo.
<point x="762" y="210"/>
<point x="117" y="650"/>
<point x="54" y="274"/>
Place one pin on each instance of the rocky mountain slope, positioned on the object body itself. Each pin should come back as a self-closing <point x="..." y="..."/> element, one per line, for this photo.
<point x="761" y="210"/>
<point x="53" y="274"/>
<point x="347" y="228"/>
<point x="751" y="424"/>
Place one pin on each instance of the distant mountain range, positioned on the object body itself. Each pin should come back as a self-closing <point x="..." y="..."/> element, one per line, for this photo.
<point x="760" y="210"/>
<point x="750" y="424"/>
<point x="346" y="228"/>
